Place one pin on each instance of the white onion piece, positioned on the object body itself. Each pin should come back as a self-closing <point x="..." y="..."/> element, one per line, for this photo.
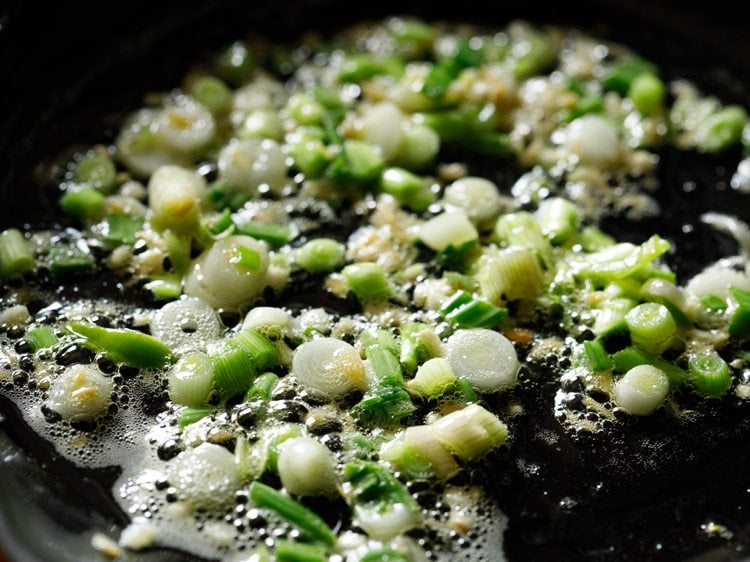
<point x="186" y="324"/>
<point x="185" y="126"/>
<point x="216" y="278"/>
<point x="205" y="477"/>
<point x="270" y="321"/>
<point x="329" y="367"/>
<point x="716" y="280"/>
<point x="306" y="467"/>
<point x="593" y="140"/>
<point x="641" y="390"/>
<point x="174" y="197"/>
<point x="383" y="526"/>
<point x="741" y="178"/>
<point x="250" y="163"/>
<point x="447" y="229"/>
<point x="191" y="380"/>
<point x="479" y="198"/>
<point x="485" y="358"/>
<point x="143" y="159"/>
<point x="732" y="226"/>
<point x="381" y="125"/>
<point x="80" y="393"/>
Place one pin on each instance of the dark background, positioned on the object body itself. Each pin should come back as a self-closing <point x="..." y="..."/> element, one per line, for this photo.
<point x="69" y="71"/>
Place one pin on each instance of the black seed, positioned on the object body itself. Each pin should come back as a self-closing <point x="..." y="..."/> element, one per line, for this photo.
<point x="27" y="363"/>
<point x="23" y="346"/>
<point x="20" y="377"/>
<point x="87" y="426"/>
<point x="50" y="415"/>
<point x="288" y="410"/>
<point x="15" y="332"/>
<point x="333" y="442"/>
<point x="246" y="417"/>
<point x="169" y="449"/>
<point x="161" y="484"/>
<point x="129" y="372"/>
<point x="74" y="353"/>
<point x="229" y="319"/>
<point x="106" y="365"/>
<point x="321" y="425"/>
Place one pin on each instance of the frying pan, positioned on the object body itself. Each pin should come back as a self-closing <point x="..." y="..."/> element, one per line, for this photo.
<point x="70" y="72"/>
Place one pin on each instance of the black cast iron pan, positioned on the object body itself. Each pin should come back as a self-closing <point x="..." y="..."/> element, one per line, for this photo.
<point x="69" y="73"/>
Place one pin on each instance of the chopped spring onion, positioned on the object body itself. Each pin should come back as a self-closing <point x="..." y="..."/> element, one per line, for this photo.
<point x="329" y="366"/>
<point x="290" y="551"/>
<point x="383" y="555"/>
<point x="418" y="344"/>
<point x="308" y="522"/>
<point x="191" y="379"/>
<point x="308" y="151"/>
<point x="385" y="405"/>
<point x="185" y="325"/>
<point x="713" y="302"/>
<point x="214" y="279"/>
<point x="470" y="433"/>
<point x="520" y="230"/>
<point x="611" y="318"/>
<point x="73" y="258"/>
<point x="652" y="327"/>
<point x="258" y="347"/>
<point x="381" y="351"/>
<point x="558" y="219"/>
<point x="85" y="203"/>
<point x="740" y="325"/>
<point x="272" y="322"/>
<point x="121" y="228"/>
<point x="667" y="293"/>
<point x="234" y="370"/>
<point x="537" y="53"/>
<point x="174" y="198"/>
<point x="647" y="92"/>
<point x="592" y="239"/>
<point x="630" y="357"/>
<point x="306" y="467"/>
<point x="41" y="337"/>
<point x="123" y="346"/>
<point x="359" y="68"/>
<point x="189" y="416"/>
<point x="383" y="506"/>
<point x="511" y="275"/>
<point x="596" y="356"/>
<point x="96" y="170"/>
<point x="16" y="257"/>
<point x="166" y="287"/>
<point x="212" y="93"/>
<point x="469" y="312"/>
<point x="478" y="197"/>
<point x="410" y="190"/>
<point x="368" y="281"/>
<point x="620" y="77"/>
<point x="621" y="260"/>
<point x="305" y="109"/>
<point x="448" y="230"/>
<point x="417" y="453"/>
<point x="246" y="258"/>
<point x="433" y="378"/>
<point x="321" y="255"/>
<point x="274" y="234"/>
<point x="359" y="161"/>
<point x="262" y="124"/>
<point x="641" y="390"/>
<point x="80" y="393"/>
<point x="262" y="387"/>
<point x="709" y="374"/>
<point x="419" y="147"/>
<point x="722" y="129"/>
<point x="446" y="70"/>
<point x="235" y="63"/>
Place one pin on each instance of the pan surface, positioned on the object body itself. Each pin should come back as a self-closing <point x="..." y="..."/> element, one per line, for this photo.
<point x="648" y="492"/>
